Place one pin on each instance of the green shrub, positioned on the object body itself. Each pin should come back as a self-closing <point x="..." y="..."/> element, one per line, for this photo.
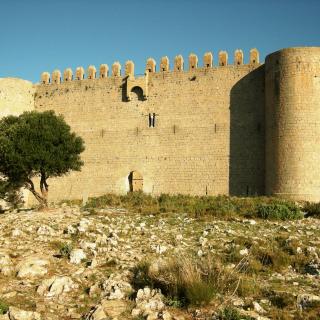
<point x="312" y="209"/>
<point x="278" y="211"/>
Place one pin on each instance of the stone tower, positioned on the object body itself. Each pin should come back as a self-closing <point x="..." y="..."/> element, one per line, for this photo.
<point x="293" y="123"/>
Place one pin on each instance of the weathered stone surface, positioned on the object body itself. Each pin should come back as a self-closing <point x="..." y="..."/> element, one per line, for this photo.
<point x="17" y="314"/>
<point x="77" y="255"/>
<point x="55" y="286"/>
<point x="32" y="266"/>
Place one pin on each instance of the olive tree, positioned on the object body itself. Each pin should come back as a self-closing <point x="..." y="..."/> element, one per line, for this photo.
<point x="37" y="144"/>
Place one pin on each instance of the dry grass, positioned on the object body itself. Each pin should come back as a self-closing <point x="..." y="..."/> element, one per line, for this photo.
<point x="223" y="207"/>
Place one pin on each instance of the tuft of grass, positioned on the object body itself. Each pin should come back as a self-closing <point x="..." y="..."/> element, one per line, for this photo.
<point x="4" y="308"/>
<point x="186" y="280"/>
<point x="64" y="248"/>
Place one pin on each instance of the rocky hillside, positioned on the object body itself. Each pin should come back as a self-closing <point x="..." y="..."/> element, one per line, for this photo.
<point x="110" y="263"/>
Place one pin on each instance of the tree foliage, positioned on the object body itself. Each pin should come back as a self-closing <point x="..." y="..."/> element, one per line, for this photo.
<point x="37" y="144"/>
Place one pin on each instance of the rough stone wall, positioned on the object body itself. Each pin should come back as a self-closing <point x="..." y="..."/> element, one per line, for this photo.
<point x="293" y="123"/>
<point x="16" y="96"/>
<point x="208" y="136"/>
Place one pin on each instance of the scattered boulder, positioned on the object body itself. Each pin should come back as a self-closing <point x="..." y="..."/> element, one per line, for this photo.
<point x="32" y="266"/>
<point x="148" y="303"/>
<point x="108" y="309"/>
<point x="305" y="300"/>
<point x="55" y="286"/>
<point x="116" y="288"/>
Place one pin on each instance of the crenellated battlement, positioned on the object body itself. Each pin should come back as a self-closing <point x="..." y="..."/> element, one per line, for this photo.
<point x="178" y="66"/>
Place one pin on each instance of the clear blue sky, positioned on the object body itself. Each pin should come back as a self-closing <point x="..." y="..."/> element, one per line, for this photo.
<point x="42" y="35"/>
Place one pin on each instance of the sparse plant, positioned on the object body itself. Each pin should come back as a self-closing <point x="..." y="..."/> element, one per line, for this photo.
<point x="187" y="280"/>
<point x="231" y="313"/>
<point x="4" y="308"/>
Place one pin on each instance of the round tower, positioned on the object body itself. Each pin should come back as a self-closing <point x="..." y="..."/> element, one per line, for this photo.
<point x="293" y="123"/>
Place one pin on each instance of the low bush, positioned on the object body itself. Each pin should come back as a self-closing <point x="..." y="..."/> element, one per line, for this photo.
<point x="312" y="209"/>
<point x="278" y="211"/>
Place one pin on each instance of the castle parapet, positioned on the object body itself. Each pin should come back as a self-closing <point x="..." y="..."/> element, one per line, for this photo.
<point x="79" y="73"/>
<point x="67" y="75"/>
<point x="151" y="65"/>
<point x="116" y="69"/>
<point x="92" y="71"/>
<point x="56" y="77"/>
<point x="208" y="60"/>
<point x="178" y="63"/>
<point x="129" y="68"/>
<point x="104" y="71"/>
<point x="254" y="56"/>
<point x="238" y="57"/>
<point x="193" y="61"/>
<point x="223" y="58"/>
<point x="164" y="64"/>
<point x="45" y="78"/>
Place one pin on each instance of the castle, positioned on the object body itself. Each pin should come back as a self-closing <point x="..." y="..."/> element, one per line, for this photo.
<point x="219" y="128"/>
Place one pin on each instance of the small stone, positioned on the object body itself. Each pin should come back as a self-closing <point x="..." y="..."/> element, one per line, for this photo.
<point x="166" y="315"/>
<point x="161" y="249"/>
<point x="77" y="255"/>
<point x="257" y="308"/>
<point x="244" y="252"/>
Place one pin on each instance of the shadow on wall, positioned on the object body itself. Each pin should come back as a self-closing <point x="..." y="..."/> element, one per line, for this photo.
<point x="247" y="135"/>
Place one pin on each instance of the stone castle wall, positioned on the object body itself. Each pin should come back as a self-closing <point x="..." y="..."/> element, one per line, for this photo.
<point x="16" y="96"/>
<point x="237" y="129"/>
<point x="208" y="136"/>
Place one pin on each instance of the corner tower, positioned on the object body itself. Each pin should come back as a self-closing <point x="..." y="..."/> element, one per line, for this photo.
<point x="293" y="123"/>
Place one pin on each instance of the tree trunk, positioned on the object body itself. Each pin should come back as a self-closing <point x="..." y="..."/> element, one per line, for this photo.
<point x="44" y="188"/>
<point x="30" y="186"/>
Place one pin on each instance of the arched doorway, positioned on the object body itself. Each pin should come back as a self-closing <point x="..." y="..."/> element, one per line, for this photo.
<point x="137" y="94"/>
<point x="135" y="181"/>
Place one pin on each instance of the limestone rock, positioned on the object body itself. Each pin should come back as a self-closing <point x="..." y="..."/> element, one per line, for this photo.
<point x="116" y="288"/>
<point x="45" y="230"/>
<point x="306" y="300"/>
<point x="77" y="255"/>
<point x="32" y="266"/>
<point x="6" y="267"/>
<point x="149" y="301"/>
<point x="17" y="314"/>
<point x="55" y="286"/>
